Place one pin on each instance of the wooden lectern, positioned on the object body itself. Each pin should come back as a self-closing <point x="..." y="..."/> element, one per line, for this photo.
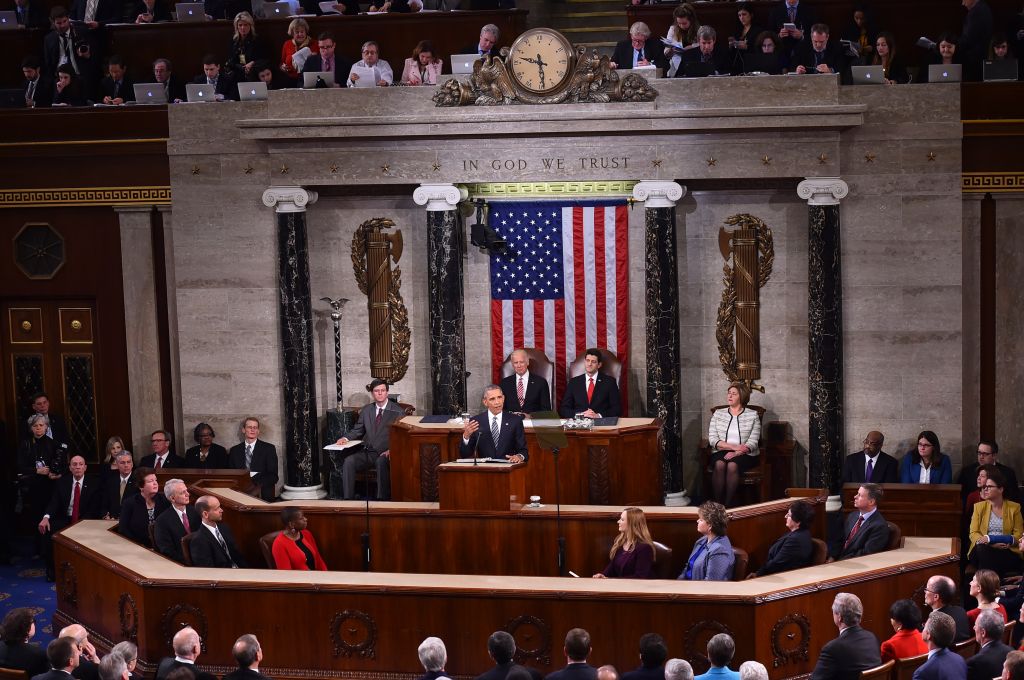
<point x="485" y="486"/>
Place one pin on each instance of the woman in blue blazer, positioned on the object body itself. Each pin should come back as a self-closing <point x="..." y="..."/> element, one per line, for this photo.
<point x="926" y="464"/>
<point x="711" y="558"/>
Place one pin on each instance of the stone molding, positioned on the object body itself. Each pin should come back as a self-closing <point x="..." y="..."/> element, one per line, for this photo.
<point x="658" y="193"/>
<point x="439" y="197"/>
<point x="822" y="190"/>
<point x="288" y="199"/>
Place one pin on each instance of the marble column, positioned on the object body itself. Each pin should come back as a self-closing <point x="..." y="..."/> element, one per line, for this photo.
<point x="445" y="296"/>
<point x="301" y="444"/>
<point x="825" y="331"/>
<point x="663" y="344"/>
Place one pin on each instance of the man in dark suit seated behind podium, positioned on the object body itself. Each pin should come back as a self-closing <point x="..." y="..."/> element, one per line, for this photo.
<point x="593" y="394"/>
<point x="535" y="390"/>
<point x="866" y="531"/>
<point x="577" y="649"/>
<point x="854" y="650"/>
<point x="495" y="433"/>
<point x="884" y="468"/>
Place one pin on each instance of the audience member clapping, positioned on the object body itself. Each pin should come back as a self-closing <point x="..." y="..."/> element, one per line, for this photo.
<point x="300" y="41"/>
<point x="116" y="89"/>
<point x="371" y="66"/>
<point x="984" y="587"/>
<point x="712" y="557"/>
<point x="69" y="87"/>
<point x="721" y="648"/>
<point x="885" y="56"/>
<point x="683" y="31"/>
<point x="150" y="12"/>
<point x="16" y="652"/>
<point x="653" y="652"/>
<point x="433" y="656"/>
<point x="906" y="641"/>
<point x="996" y="528"/>
<point x="423" y="67"/>
<point x="244" y="50"/>
<point x="38" y="92"/>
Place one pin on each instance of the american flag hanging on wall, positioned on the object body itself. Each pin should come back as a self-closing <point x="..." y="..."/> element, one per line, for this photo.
<point x="564" y="286"/>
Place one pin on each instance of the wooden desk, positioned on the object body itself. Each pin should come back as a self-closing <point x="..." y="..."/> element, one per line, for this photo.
<point x="485" y="486"/>
<point x="239" y="480"/>
<point x="918" y="509"/>
<point x="604" y="466"/>
<point x="336" y="624"/>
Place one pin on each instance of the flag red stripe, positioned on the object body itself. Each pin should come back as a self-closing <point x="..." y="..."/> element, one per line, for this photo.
<point x="517" y="323"/>
<point x="497" y="341"/>
<point x="580" y="287"/>
<point x="600" y="278"/>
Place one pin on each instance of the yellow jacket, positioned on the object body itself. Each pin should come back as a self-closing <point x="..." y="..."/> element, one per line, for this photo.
<point x="1012" y="523"/>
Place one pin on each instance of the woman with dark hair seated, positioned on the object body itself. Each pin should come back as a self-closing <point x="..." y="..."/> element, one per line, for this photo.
<point x="141" y="509"/>
<point x="926" y="464"/>
<point x="944" y="53"/>
<point x="996" y="528"/>
<point x="712" y="558"/>
<point x="632" y="553"/>
<point x="16" y="651"/>
<point x="206" y="454"/>
<point x="795" y="549"/>
<point x="295" y="548"/>
<point x="69" y="87"/>
<point x="424" y="67"/>
<point x="905" y="617"/>
<point x="984" y="588"/>
<point x="767" y="56"/>
<point x="885" y="56"/>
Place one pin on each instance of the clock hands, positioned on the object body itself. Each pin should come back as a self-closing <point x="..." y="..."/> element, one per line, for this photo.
<point x="539" y="61"/>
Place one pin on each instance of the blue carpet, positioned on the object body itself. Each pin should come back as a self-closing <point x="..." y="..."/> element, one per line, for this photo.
<point x="23" y="584"/>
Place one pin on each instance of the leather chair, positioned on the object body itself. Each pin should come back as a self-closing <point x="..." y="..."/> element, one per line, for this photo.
<point x="186" y="548"/>
<point x="739" y="567"/>
<point x="539" y="364"/>
<point x="968" y="648"/>
<point x="610" y="365"/>
<point x="895" y="537"/>
<point x="755" y="483"/>
<point x="1008" y="633"/>
<point x="878" y="672"/>
<point x="663" y="561"/>
<point x="267" y="548"/>
<point x="904" y="668"/>
<point x="13" y="674"/>
<point x="820" y="552"/>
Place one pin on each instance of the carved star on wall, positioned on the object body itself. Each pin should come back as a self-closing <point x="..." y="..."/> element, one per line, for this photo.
<point x="247" y="169"/>
<point x="823" y="159"/>
<point x="767" y="160"/>
<point x="711" y="161"/>
<point x="386" y="168"/>
<point x="931" y="155"/>
<point x="334" y="168"/>
<point x="195" y="169"/>
<point x="284" y="169"/>
<point x="437" y="166"/>
<point x="656" y="163"/>
<point x="869" y="157"/>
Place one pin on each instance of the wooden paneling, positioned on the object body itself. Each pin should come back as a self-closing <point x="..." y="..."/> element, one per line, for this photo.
<point x="918" y="509"/>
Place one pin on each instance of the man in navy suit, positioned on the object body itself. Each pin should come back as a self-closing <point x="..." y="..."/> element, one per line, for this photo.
<point x="63" y="655"/>
<point x="791" y="12"/>
<point x="866" y="531"/>
<point x="187" y="646"/>
<point x="535" y="390"/>
<point x="495" y="433"/>
<point x="854" y="650"/>
<point x="162" y="456"/>
<point x="172" y="525"/>
<point x="577" y="649"/>
<point x="501" y="647"/>
<point x="653" y="652"/>
<point x="942" y="663"/>
<point x="256" y="456"/>
<point x="988" y="662"/>
<point x="884" y="468"/>
<point x="592" y="394"/>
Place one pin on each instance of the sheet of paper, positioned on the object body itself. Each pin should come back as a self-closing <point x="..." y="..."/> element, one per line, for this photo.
<point x="327" y="7"/>
<point x="342" y="447"/>
<point x="366" y="76"/>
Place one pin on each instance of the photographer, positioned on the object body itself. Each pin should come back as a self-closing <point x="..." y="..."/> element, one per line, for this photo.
<point x="65" y="44"/>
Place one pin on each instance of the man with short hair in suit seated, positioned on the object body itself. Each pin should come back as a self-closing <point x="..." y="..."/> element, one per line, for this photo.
<point x="939" y="593"/>
<point x="88" y="659"/>
<point x="374" y="429"/>
<point x="75" y="497"/>
<point x="113" y="667"/>
<point x="498" y="433"/>
<point x="116" y="88"/>
<point x="63" y="654"/>
<point x="653" y="652"/>
<point x="186" y="645"/>
<point x="988" y="631"/>
<point x="162" y="456"/>
<point x="214" y="545"/>
<point x="577" y="649"/>
<point x="854" y="650"/>
<point x="721" y="648"/>
<point x="678" y="669"/>
<point x="713" y="57"/>
<point x="592" y="394"/>
<point x="487" y="44"/>
<point x="172" y="525"/>
<point x="223" y="84"/>
<point x="942" y="663"/>
<point x="433" y="656"/>
<point x="501" y="647"/>
<point x="866" y="531"/>
<point x="524" y="391"/>
<point x="248" y="654"/>
<point x="117" y="485"/>
<point x="256" y="456"/>
<point x="639" y="49"/>
<point x="327" y="60"/>
<point x="871" y="464"/>
<point x="38" y="90"/>
<point x="820" y="56"/>
<point x="988" y="454"/>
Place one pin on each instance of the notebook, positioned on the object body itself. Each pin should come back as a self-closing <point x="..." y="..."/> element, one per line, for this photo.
<point x="8" y="20"/>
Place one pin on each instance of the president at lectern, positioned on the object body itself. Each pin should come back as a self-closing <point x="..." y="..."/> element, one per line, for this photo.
<point x="495" y="433"/>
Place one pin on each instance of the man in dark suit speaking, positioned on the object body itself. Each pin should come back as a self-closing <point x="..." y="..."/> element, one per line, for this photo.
<point x="256" y="456"/>
<point x="872" y="464"/>
<point x="495" y="433"/>
<point x="525" y="392"/>
<point x="593" y="394"/>
<point x="866" y="531"/>
<point x="854" y="650"/>
<point x="374" y="429"/>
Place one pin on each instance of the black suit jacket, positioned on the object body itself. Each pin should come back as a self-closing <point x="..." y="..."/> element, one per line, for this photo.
<point x="342" y="67"/>
<point x="87" y="670"/>
<point x="792" y="551"/>
<point x="511" y="438"/>
<point x="804" y="56"/>
<point x="173" y="461"/>
<point x="501" y="670"/>
<point x="264" y="464"/>
<point x="134" y="520"/>
<point x="475" y="49"/>
<point x="88" y="504"/>
<point x="872" y="536"/>
<point x="886" y="471"/>
<point x="988" y="663"/>
<point x="169" y="531"/>
<point x="642" y="673"/>
<point x="87" y="68"/>
<point x="217" y="456"/>
<point x="225" y="87"/>
<point x="605" y="401"/>
<point x="964" y="631"/>
<point x="168" y="664"/>
<point x="536" y="399"/>
<point x="34" y="16"/>
<point x="720" y="62"/>
<point x="574" y="671"/>
<point x="124" y="91"/>
<point x="27" y="656"/>
<point x="248" y="674"/>
<point x="43" y="97"/>
<point x="846" y="656"/>
<point x="804" y="18"/>
<point x="107" y="11"/>
<point x="110" y="490"/>
<point x="57" y="423"/>
<point x="206" y="551"/>
<point x="654" y="52"/>
<point x="52" y="675"/>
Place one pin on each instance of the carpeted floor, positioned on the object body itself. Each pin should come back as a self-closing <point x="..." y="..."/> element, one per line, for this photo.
<point x="23" y="584"/>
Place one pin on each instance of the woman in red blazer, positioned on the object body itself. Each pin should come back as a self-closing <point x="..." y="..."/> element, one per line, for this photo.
<point x="295" y="547"/>
<point x="905" y="618"/>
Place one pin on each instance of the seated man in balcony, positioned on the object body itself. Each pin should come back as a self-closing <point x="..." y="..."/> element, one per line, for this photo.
<point x="713" y="58"/>
<point x="116" y="88"/>
<point x="866" y="531"/>
<point x="38" y="90"/>
<point x="820" y="55"/>
<point x="487" y="44"/>
<point x="172" y="86"/>
<point x="223" y="84"/>
<point x="326" y="59"/>
<point x="382" y="73"/>
<point x="639" y="49"/>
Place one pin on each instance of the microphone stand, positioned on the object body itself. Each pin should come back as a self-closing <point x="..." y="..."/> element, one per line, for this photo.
<point x="366" y="533"/>
<point x="558" y="516"/>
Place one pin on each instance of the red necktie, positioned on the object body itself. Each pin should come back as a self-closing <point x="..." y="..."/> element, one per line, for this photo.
<point x="158" y="465"/>
<point x="590" y="389"/>
<point x="379" y="412"/>
<point x="75" y="502"/>
<point x="521" y="393"/>
<point x="184" y="520"/>
<point x="853" y="532"/>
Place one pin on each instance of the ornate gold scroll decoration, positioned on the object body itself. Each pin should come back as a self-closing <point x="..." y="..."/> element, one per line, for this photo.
<point x="593" y="81"/>
<point x="373" y="251"/>
<point x="752" y="251"/>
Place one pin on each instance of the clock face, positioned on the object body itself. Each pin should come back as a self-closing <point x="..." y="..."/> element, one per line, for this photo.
<point x="541" y="60"/>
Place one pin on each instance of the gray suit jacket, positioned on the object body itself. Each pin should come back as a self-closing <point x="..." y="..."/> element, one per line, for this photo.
<point x="375" y="438"/>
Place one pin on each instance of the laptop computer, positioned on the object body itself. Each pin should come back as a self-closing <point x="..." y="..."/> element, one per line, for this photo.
<point x="8" y="20"/>
<point x="199" y="92"/>
<point x="463" y="63"/>
<point x="252" y="92"/>
<point x="273" y="10"/>
<point x="310" y="78"/>
<point x="190" y="11"/>
<point x="12" y="98"/>
<point x="942" y="73"/>
<point x="150" y="93"/>
<point x="759" y="62"/>
<point x="1000" y="69"/>
<point x="868" y="75"/>
<point x="696" y="70"/>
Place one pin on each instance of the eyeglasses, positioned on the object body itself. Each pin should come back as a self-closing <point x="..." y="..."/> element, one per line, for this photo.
<point x="986" y="453"/>
<point x="988" y="486"/>
<point x="155" y="441"/>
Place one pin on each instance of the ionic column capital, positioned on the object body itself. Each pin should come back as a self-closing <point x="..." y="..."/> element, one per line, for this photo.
<point x="288" y="199"/>
<point x="658" y="193"/>
<point x="439" y="197"/>
<point x="822" y="190"/>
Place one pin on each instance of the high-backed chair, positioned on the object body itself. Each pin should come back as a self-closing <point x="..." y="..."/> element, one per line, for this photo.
<point x="904" y="668"/>
<point x="755" y="483"/>
<point x="610" y="365"/>
<point x="13" y="674"/>
<point x="186" y="548"/>
<point x="968" y="647"/>
<point x="739" y="566"/>
<point x="882" y="672"/>
<point x="820" y="552"/>
<point x="1008" y="632"/>
<point x="662" y="561"/>
<point x="539" y="364"/>
<point x="267" y="548"/>
<point x="895" y="537"/>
